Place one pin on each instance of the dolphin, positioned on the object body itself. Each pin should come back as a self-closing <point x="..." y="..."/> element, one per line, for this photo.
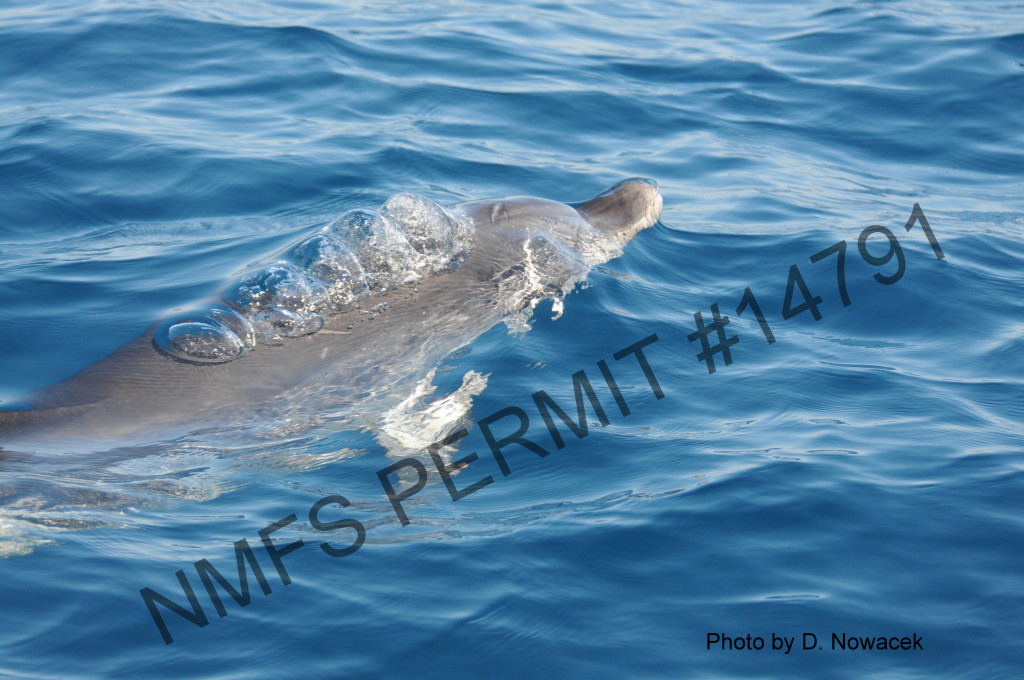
<point x="515" y="251"/>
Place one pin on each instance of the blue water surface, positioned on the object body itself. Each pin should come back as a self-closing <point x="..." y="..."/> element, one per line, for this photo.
<point x="861" y="475"/>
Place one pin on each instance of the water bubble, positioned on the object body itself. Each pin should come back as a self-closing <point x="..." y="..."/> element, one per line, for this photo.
<point x="236" y="323"/>
<point x="424" y="223"/>
<point x="273" y="325"/>
<point x="355" y="226"/>
<point x="387" y="258"/>
<point x="439" y="236"/>
<point x="208" y="337"/>
<point x="329" y="261"/>
<point x="333" y="271"/>
<point x="279" y="285"/>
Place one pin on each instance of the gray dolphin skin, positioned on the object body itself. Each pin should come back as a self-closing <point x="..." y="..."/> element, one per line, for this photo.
<point x="522" y="249"/>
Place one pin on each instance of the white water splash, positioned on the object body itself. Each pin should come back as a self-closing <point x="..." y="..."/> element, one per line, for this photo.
<point x="410" y="427"/>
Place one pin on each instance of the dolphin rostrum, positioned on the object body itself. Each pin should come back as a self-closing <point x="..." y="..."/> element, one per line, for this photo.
<point x="361" y="310"/>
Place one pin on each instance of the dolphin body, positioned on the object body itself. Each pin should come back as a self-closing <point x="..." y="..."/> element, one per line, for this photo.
<point x="523" y="249"/>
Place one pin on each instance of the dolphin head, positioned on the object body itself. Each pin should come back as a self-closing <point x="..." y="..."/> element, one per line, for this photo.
<point x="624" y="209"/>
<point x="562" y="237"/>
<point x="529" y="248"/>
<point x="619" y="213"/>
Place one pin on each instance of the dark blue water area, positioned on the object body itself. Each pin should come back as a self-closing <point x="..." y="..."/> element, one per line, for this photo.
<point x="861" y="475"/>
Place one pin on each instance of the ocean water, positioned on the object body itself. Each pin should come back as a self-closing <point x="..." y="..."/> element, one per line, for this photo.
<point x="860" y="476"/>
